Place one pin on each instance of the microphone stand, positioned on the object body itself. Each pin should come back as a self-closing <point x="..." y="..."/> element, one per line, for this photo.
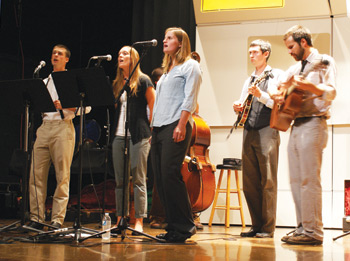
<point x="106" y="147"/>
<point x="27" y="148"/>
<point x="123" y="224"/>
<point x="28" y="145"/>
<point x="106" y="162"/>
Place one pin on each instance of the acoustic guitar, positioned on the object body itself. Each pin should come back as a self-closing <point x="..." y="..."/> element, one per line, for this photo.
<point x="283" y="114"/>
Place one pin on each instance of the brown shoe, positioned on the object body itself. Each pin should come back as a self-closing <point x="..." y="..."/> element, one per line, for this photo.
<point x="289" y="235"/>
<point x="285" y="238"/>
<point x="198" y="225"/>
<point x="158" y="223"/>
<point x="303" y="240"/>
<point x="197" y="221"/>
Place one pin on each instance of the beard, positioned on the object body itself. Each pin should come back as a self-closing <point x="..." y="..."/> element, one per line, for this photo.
<point x="299" y="56"/>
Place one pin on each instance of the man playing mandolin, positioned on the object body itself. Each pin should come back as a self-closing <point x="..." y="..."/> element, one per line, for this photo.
<point x="309" y="132"/>
<point x="260" y="142"/>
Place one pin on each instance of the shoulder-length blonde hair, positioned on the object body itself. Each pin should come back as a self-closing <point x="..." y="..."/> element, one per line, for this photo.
<point x="118" y="82"/>
<point x="184" y="52"/>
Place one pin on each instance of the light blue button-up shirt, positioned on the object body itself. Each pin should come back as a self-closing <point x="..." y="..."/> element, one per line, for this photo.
<point x="177" y="91"/>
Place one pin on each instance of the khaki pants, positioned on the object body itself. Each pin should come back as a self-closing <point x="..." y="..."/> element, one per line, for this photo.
<point x="306" y="143"/>
<point x="54" y="144"/>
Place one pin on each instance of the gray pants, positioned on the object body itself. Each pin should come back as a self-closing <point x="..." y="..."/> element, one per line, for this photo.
<point x="306" y="143"/>
<point x="137" y="168"/>
<point x="260" y="162"/>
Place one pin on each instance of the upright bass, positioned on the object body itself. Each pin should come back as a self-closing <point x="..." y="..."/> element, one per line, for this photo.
<point x="197" y="171"/>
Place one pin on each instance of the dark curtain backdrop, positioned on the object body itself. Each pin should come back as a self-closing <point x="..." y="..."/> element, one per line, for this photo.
<point x="150" y="20"/>
<point x="29" y="29"/>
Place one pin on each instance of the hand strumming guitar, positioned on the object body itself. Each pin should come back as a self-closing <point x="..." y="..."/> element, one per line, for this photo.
<point x="237" y="107"/>
<point x="280" y="96"/>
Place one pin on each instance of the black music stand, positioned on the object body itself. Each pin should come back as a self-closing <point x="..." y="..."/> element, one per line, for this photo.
<point x="102" y="95"/>
<point x="21" y="96"/>
<point x="80" y="88"/>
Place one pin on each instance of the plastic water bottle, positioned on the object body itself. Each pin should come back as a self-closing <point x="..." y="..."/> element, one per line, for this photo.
<point x="106" y="224"/>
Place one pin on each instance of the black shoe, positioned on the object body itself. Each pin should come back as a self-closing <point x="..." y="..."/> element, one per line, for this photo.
<point x="54" y="226"/>
<point x="177" y="237"/>
<point x="163" y="236"/>
<point x="250" y="233"/>
<point x="35" y="225"/>
<point x="264" y="235"/>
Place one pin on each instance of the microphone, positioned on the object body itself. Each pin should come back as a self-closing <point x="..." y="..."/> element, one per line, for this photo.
<point x="41" y="65"/>
<point x="107" y="57"/>
<point x="146" y="43"/>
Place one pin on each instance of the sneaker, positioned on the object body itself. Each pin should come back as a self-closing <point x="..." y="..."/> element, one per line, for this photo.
<point x="289" y="234"/>
<point x="303" y="240"/>
<point x="285" y="238"/>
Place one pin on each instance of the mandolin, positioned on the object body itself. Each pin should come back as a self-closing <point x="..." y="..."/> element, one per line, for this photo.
<point x="283" y="114"/>
<point x="247" y="104"/>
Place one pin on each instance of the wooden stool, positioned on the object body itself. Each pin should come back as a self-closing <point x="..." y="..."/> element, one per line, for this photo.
<point x="228" y="191"/>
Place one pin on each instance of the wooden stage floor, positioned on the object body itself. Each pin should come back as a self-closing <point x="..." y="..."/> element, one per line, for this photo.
<point x="212" y="243"/>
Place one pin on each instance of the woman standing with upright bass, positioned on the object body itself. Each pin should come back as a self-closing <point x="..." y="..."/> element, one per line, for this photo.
<point x="177" y="92"/>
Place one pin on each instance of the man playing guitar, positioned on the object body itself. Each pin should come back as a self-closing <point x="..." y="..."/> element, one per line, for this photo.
<point x="309" y="132"/>
<point x="260" y="143"/>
